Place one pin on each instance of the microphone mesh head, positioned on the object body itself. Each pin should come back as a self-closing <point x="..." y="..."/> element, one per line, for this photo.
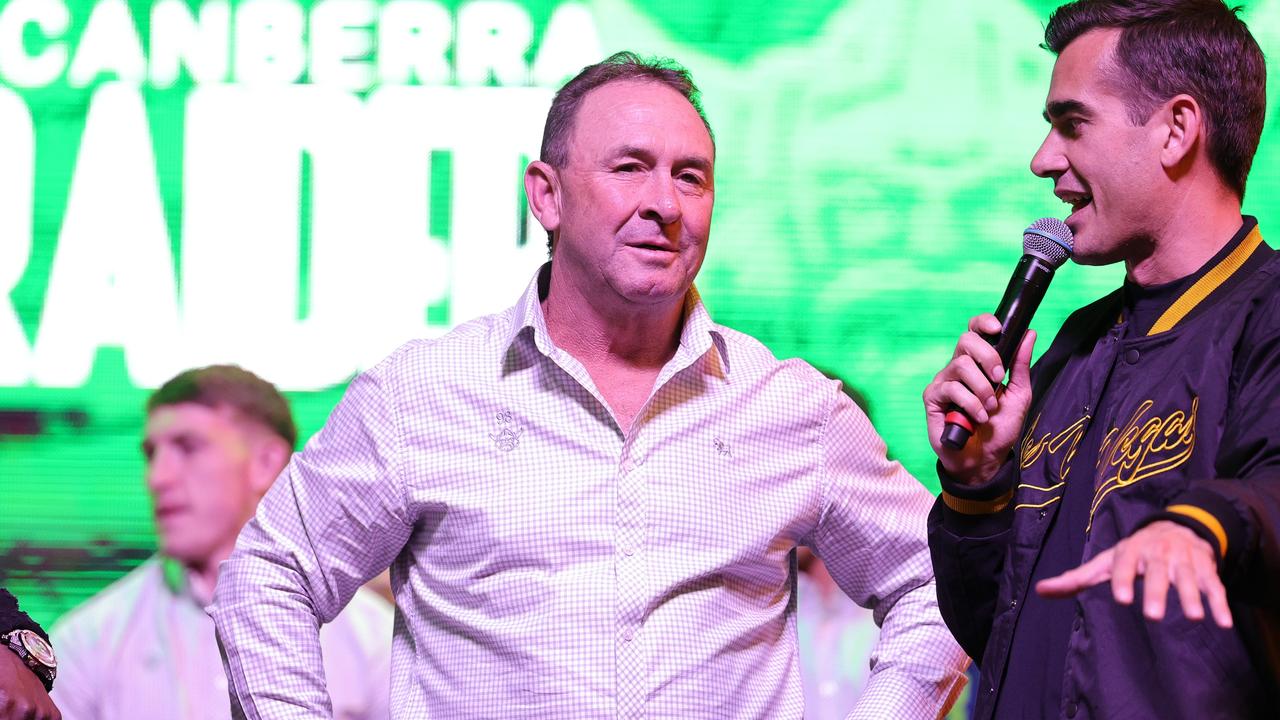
<point x="1049" y="239"/>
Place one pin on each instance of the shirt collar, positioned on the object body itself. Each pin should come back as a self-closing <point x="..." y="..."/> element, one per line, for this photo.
<point x="1173" y="301"/>
<point x="698" y="335"/>
<point x="177" y="578"/>
<point x="528" y="312"/>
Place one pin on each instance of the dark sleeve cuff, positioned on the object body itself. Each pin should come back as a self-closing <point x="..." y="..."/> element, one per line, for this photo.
<point x="977" y="510"/>
<point x="11" y="618"/>
<point x="1211" y="517"/>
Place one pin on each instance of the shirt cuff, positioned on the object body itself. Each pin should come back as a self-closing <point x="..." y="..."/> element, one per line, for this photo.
<point x="1211" y="517"/>
<point x="977" y="510"/>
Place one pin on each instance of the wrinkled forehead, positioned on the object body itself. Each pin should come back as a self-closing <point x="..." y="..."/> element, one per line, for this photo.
<point x="630" y="111"/>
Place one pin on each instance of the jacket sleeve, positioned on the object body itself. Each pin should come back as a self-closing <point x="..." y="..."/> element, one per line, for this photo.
<point x="970" y="528"/>
<point x="969" y="532"/>
<point x="1238" y="511"/>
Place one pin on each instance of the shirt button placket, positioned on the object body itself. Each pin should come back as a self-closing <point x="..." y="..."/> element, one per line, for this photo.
<point x="632" y="659"/>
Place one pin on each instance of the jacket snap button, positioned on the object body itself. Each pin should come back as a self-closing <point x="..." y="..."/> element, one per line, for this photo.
<point x="1072" y="709"/>
<point x="1132" y="356"/>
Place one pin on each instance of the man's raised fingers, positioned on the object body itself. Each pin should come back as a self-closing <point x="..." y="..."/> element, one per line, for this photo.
<point x="1187" y="583"/>
<point x="1123" y="571"/>
<point x="1210" y="584"/>
<point x="1097" y="570"/>
<point x="1155" y="590"/>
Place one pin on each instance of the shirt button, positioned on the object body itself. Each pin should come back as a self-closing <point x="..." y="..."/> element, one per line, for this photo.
<point x="628" y="466"/>
<point x="1132" y="356"/>
<point x="628" y="550"/>
<point x="628" y="634"/>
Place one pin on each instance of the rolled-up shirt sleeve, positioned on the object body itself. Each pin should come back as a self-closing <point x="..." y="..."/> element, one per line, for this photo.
<point x="872" y="537"/>
<point x="334" y="518"/>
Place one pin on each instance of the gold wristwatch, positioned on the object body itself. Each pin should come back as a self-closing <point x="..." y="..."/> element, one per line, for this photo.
<point x="35" y="651"/>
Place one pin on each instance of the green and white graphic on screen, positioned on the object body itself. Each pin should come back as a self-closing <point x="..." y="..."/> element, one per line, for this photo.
<point x="299" y="187"/>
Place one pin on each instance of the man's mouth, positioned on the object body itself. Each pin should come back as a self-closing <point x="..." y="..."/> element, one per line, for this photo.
<point x="165" y="512"/>
<point x="658" y="247"/>
<point x="1076" y="200"/>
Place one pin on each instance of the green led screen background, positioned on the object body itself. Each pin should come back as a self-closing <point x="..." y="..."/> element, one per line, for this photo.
<point x="299" y="187"/>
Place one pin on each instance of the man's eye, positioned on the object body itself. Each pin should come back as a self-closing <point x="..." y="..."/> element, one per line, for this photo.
<point x="628" y="167"/>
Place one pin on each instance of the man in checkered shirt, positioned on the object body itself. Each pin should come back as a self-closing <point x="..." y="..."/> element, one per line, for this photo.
<point x="589" y="502"/>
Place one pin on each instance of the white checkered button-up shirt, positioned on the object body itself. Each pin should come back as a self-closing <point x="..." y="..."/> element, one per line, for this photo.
<point x="548" y="565"/>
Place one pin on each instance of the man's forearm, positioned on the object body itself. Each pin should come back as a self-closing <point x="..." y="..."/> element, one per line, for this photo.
<point x="269" y="634"/>
<point x="917" y="667"/>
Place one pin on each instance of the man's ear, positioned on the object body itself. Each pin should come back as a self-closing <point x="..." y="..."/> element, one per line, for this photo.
<point x="270" y="454"/>
<point x="542" y="188"/>
<point x="1182" y="124"/>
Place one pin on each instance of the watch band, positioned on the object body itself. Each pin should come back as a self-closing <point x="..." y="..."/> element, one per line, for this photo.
<point x="35" y="652"/>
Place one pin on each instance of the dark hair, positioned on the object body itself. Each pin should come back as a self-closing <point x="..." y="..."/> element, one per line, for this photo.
<point x="617" y="67"/>
<point x="234" y="387"/>
<point x="1168" y="47"/>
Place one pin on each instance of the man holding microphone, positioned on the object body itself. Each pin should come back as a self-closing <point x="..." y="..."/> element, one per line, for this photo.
<point x="1140" y="455"/>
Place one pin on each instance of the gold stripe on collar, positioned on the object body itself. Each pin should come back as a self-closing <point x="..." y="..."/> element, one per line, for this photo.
<point x="1207" y="284"/>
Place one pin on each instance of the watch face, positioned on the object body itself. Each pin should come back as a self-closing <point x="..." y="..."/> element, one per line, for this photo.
<point x="39" y="649"/>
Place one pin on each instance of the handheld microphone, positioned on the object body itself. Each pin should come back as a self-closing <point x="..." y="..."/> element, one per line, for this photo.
<point x="1046" y="245"/>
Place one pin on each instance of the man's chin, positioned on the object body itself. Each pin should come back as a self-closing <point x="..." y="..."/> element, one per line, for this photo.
<point x="657" y="295"/>
<point x="1086" y="251"/>
<point x="1093" y="258"/>
<point x="1090" y="260"/>
<point x="654" y="288"/>
<point x="184" y="553"/>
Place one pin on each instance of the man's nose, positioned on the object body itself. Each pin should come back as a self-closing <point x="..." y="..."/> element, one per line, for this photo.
<point x="661" y="201"/>
<point x="161" y="469"/>
<point x="1049" y="160"/>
